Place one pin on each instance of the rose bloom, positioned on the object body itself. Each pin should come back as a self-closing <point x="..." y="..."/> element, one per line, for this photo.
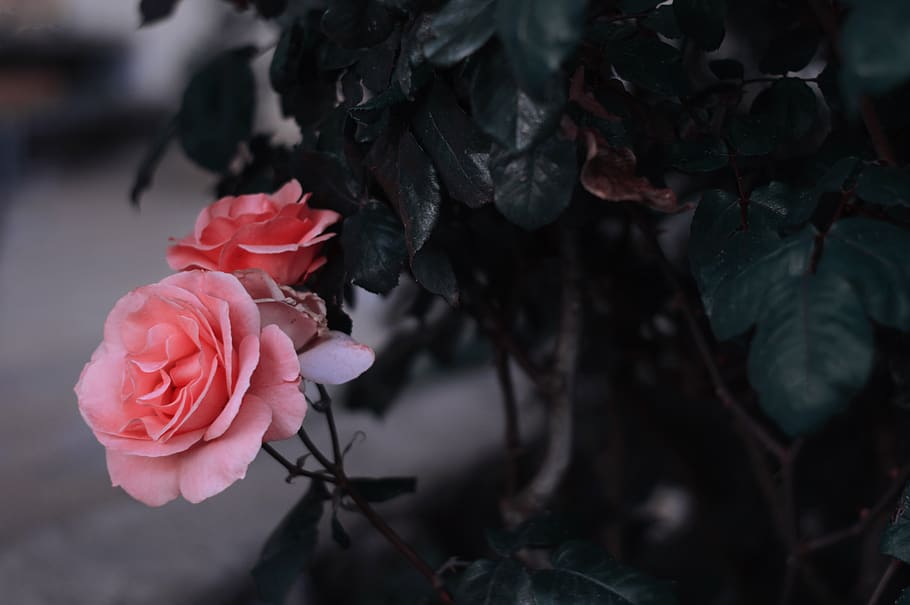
<point x="193" y="375"/>
<point x="277" y="233"/>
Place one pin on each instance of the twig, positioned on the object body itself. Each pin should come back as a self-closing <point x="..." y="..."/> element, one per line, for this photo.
<point x="866" y="518"/>
<point x="510" y="408"/>
<point x="558" y="390"/>
<point x="883" y="582"/>
<point x="295" y="470"/>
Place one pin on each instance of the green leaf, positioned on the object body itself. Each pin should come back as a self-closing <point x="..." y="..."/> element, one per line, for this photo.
<point x="875" y="47"/>
<point x="488" y="582"/>
<point x="812" y="351"/>
<point x="663" y="21"/>
<point x="216" y="113"/>
<point x="789" y="107"/>
<point x="357" y="23"/>
<point x="151" y="11"/>
<point x="589" y="576"/>
<point x="385" y="488"/>
<point x="419" y="198"/>
<point x="538" y="36"/>
<point x="790" y="51"/>
<point x="546" y="530"/>
<point x="290" y="547"/>
<point x="750" y="135"/>
<point x="872" y="257"/>
<point x="533" y="187"/>
<point x="895" y="540"/>
<point x="374" y="247"/>
<point x="460" y="28"/>
<point x="701" y="155"/>
<point x="458" y="148"/>
<point x="270" y="9"/>
<point x="412" y="71"/>
<point x="727" y="69"/>
<point x="703" y="20"/>
<point x="839" y="177"/>
<point x="647" y="62"/>
<point x="433" y="270"/>
<point x="326" y="178"/>
<point x="903" y="598"/>
<point x="885" y="185"/>
<point x="150" y="161"/>
<point x="798" y="205"/>
<point x="508" y="114"/>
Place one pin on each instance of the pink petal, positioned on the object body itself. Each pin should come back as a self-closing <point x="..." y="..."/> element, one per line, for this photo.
<point x="152" y="481"/>
<point x="277" y="383"/>
<point x="336" y="359"/>
<point x="211" y="467"/>
<point x="290" y="193"/>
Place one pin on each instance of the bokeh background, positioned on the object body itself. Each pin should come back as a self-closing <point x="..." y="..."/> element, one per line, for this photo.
<point x="82" y="89"/>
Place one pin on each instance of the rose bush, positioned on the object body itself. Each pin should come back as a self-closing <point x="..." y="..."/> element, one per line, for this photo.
<point x="279" y="234"/>
<point x="190" y="379"/>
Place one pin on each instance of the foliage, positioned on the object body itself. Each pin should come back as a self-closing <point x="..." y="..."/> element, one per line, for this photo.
<point x="517" y="161"/>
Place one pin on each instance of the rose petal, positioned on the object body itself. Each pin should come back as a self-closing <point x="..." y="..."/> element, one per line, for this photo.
<point x="212" y="466"/>
<point x="277" y="382"/>
<point x="152" y="481"/>
<point x="290" y="193"/>
<point x="336" y="359"/>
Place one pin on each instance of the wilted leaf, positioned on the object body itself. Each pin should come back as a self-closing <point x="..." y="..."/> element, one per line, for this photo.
<point x="609" y="173"/>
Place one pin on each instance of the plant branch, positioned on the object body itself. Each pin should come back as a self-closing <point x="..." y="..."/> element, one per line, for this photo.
<point x="558" y="390"/>
<point x="295" y="470"/>
<point x="883" y="582"/>
<point x="510" y="409"/>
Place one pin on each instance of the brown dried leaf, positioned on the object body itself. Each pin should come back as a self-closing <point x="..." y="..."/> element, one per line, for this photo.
<point x="609" y="173"/>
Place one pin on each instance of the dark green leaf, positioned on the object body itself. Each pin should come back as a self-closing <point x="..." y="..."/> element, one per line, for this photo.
<point x="790" y="51"/>
<point x="327" y="179"/>
<point x="150" y="161"/>
<point x="702" y="155"/>
<point x="788" y="107"/>
<point x="839" y="177"/>
<point x="546" y="530"/>
<point x="797" y="204"/>
<point x="813" y="349"/>
<point x="411" y="70"/>
<point x="895" y="540"/>
<point x="750" y="135"/>
<point x="538" y="36"/>
<point x="875" y="47"/>
<point x="290" y="547"/>
<point x="533" y="187"/>
<point x="885" y="185"/>
<point x="873" y="257"/>
<point x="663" y="21"/>
<point x="903" y="598"/>
<point x="727" y="69"/>
<point x="587" y="575"/>
<point x="487" y="582"/>
<point x="385" y="488"/>
<point x="703" y="20"/>
<point x="155" y="10"/>
<point x="374" y="247"/>
<point x="419" y="197"/>
<point x="216" y="113"/>
<point x="339" y="533"/>
<point x="357" y="23"/>
<point x="459" y="150"/>
<point x="433" y="270"/>
<point x="505" y="112"/>
<point x="285" y="66"/>
<point x="269" y="9"/>
<point x="460" y="28"/>
<point x="647" y="62"/>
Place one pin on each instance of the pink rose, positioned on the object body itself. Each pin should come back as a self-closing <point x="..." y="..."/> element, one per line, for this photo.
<point x="185" y="387"/>
<point x="193" y="375"/>
<point x="277" y="233"/>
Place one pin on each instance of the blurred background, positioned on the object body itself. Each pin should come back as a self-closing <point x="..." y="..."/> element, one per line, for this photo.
<point x="82" y="90"/>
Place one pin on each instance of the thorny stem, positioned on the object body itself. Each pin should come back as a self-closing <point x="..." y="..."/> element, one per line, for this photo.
<point x="295" y="470"/>
<point x="510" y="408"/>
<point x="866" y="517"/>
<point x="558" y="390"/>
<point x="336" y="470"/>
<point x="883" y="582"/>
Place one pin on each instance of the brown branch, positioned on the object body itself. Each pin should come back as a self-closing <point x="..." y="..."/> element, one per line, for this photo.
<point x="558" y="390"/>
<point x="295" y="470"/>
<point x="883" y="582"/>
<point x="867" y="517"/>
<point x="511" y="432"/>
